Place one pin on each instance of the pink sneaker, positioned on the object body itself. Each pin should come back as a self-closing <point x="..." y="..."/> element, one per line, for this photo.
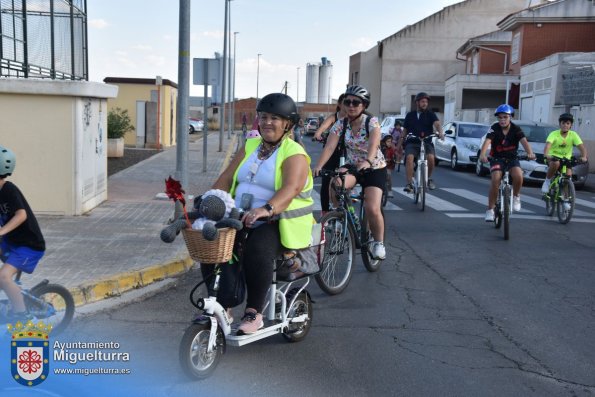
<point x="251" y="322"/>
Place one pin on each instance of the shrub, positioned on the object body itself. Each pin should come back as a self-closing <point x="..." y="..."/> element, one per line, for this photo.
<point x="118" y="123"/>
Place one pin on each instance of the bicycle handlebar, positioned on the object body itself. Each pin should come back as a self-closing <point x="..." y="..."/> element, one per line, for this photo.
<point x="336" y="172"/>
<point x="416" y="138"/>
<point x="509" y="159"/>
<point x="564" y="161"/>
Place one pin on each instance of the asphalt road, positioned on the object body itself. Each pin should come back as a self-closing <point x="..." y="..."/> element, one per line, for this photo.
<point x="454" y="310"/>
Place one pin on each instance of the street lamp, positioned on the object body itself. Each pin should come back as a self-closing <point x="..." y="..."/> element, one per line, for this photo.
<point x="257" y="76"/>
<point x="297" y="94"/>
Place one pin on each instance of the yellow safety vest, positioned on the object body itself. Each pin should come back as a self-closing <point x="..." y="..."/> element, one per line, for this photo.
<point x="295" y="222"/>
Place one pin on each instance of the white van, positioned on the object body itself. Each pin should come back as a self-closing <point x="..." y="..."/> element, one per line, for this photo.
<point x="389" y="122"/>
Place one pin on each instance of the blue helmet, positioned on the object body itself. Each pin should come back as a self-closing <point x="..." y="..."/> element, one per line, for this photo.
<point x="504" y="109"/>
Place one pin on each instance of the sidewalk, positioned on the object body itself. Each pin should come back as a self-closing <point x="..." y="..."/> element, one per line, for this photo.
<point x="116" y="247"/>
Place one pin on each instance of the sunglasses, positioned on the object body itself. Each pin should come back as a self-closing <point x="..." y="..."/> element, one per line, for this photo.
<point x="354" y="102"/>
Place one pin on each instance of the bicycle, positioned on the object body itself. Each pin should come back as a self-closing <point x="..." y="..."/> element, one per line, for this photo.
<point x="502" y="210"/>
<point x="51" y="303"/>
<point x="288" y="312"/>
<point x="344" y="232"/>
<point x="420" y="181"/>
<point x="562" y="193"/>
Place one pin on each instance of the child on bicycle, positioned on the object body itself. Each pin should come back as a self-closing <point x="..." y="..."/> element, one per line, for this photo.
<point x="504" y="138"/>
<point x="22" y="244"/>
<point x="390" y="152"/>
<point x="559" y="145"/>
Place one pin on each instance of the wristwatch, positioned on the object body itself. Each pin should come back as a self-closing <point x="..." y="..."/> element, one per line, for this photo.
<point x="269" y="207"/>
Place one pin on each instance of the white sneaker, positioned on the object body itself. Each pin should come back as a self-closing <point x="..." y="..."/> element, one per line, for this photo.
<point x="545" y="188"/>
<point x="516" y="203"/>
<point x="490" y="215"/>
<point x="378" y="250"/>
<point x="567" y="206"/>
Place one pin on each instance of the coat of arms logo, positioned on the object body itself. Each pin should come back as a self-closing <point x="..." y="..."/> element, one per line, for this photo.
<point x="29" y="352"/>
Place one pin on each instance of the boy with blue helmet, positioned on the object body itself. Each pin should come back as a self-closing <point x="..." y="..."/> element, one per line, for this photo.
<point x="504" y="138"/>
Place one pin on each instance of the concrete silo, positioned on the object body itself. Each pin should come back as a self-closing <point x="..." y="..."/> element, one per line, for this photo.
<point x="325" y="80"/>
<point x="312" y="71"/>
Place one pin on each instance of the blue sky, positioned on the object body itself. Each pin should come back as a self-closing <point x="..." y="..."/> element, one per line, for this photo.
<point x="139" y="38"/>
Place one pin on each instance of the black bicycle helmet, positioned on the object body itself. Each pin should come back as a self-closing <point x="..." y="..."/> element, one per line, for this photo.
<point x="360" y="92"/>
<point x="421" y="96"/>
<point x="566" y="117"/>
<point x="279" y="104"/>
<point x="7" y="161"/>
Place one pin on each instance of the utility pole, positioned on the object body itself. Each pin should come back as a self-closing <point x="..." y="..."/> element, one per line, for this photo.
<point x="182" y="105"/>
<point x="222" y="115"/>
<point x="229" y="97"/>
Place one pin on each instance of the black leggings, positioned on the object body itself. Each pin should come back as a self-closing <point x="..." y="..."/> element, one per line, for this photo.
<point x="263" y="246"/>
<point x="331" y="164"/>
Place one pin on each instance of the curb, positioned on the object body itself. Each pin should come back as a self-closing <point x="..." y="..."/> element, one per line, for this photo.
<point x="116" y="285"/>
<point x="95" y="291"/>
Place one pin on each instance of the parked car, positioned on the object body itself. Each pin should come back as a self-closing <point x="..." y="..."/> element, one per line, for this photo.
<point x="461" y="143"/>
<point x="535" y="170"/>
<point x="310" y="126"/>
<point x="388" y="123"/>
<point x="195" y="125"/>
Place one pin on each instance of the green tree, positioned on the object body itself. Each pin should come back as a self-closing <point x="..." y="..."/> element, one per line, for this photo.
<point x="118" y="123"/>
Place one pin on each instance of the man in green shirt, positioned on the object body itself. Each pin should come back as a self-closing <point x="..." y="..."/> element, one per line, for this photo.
<point x="559" y="145"/>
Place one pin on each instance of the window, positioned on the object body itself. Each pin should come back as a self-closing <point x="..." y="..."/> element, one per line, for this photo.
<point x="516" y="43"/>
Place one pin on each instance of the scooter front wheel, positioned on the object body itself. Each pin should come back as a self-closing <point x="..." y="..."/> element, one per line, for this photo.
<point x="196" y="361"/>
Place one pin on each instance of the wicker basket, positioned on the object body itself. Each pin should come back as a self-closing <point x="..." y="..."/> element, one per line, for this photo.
<point x="205" y="251"/>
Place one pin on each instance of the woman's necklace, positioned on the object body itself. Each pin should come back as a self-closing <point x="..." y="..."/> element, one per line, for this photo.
<point x="265" y="152"/>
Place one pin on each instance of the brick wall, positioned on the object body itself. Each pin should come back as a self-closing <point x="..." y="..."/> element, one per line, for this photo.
<point x="539" y="42"/>
<point x="493" y="62"/>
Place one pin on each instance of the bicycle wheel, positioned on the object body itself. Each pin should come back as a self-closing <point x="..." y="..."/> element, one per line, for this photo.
<point x="422" y="187"/>
<point x="296" y="332"/>
<point x="565" y="202"/>
<point x="550" y="202"/>
<point x="339" y="254"/>
<point x="53" y="304"/>
<point x="196" y="362"/>
<point x="372" y="265"/>
<point x="506" y="212"/>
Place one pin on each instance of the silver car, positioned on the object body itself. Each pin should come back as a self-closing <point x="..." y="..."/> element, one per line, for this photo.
<point x="535" y="170"/>
<point x="195" y="125"/>
<point x="461" y="143"/>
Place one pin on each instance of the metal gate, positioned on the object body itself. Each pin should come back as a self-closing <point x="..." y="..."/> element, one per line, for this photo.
<point x="44" y="39"/>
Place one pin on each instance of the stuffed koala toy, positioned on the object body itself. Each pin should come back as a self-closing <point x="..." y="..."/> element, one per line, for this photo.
<point x="214" y="210"/>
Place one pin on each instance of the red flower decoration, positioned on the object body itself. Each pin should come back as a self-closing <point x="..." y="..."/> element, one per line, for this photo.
<point x="174" y="190"/>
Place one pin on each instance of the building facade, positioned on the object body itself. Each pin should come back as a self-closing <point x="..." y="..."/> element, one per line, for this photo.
<point x="420" y="57"/>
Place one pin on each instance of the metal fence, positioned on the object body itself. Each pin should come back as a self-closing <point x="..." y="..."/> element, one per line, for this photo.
<point x="44" y="39"/>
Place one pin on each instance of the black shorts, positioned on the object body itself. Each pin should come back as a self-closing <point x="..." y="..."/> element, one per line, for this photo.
<point x="414" y="147"/>
<point x="376" y="178"/>
<point x="502" y="164"/>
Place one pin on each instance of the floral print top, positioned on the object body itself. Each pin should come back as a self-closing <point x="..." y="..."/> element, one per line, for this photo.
<point x="356" y="142"/>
